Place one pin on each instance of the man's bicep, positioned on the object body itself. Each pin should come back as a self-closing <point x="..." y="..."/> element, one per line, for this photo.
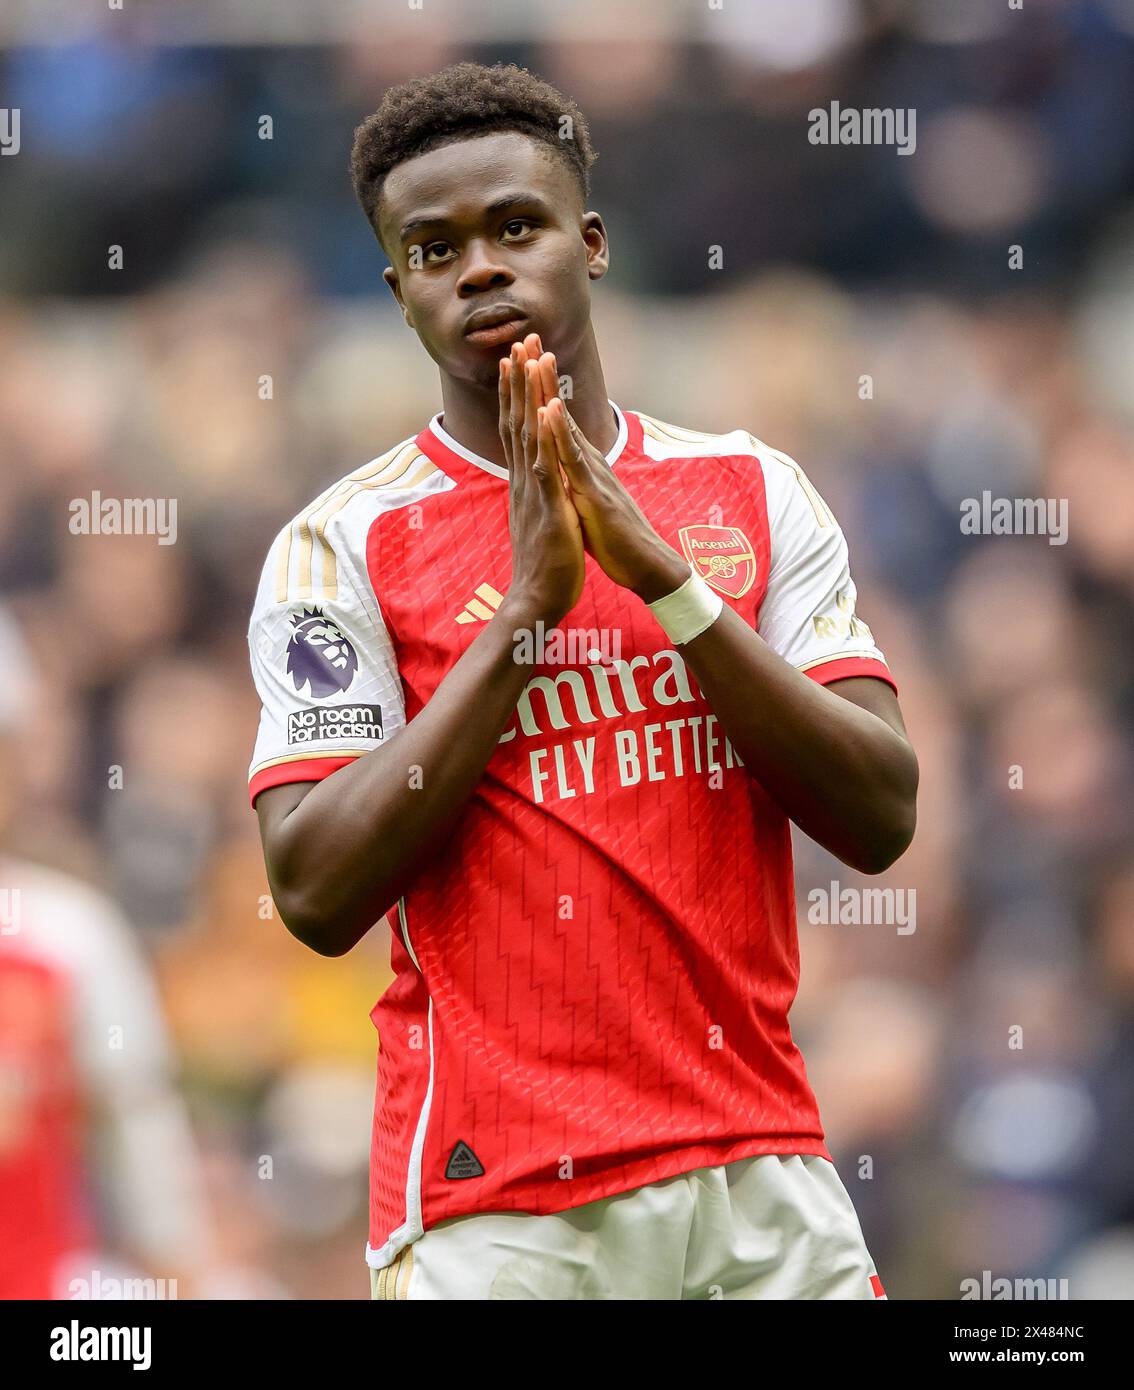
<point x="275" y="804"/>
<point x="875" y="696"/>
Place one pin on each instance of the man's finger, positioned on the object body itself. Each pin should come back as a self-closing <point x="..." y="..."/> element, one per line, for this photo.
<point x="517" y="477"/>
<point x="571" y="456"/>
<point x="503" y="426"/>
<point x="533" y="400"/>
<point x="549" y="376"/>
<point x="516" y="409"/>
<point x="546" y="468"/>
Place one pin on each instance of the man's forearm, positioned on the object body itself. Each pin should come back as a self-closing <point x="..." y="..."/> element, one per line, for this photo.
<point x="349" y="849"/>
<point x="841" y="773"/>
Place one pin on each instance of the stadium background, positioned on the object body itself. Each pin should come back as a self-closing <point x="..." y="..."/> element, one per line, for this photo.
<point x="246" y="257"/>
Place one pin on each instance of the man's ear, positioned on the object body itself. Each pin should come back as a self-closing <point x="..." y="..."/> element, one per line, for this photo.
<point x="598" y="247"/>
<point x="390" y="275"/>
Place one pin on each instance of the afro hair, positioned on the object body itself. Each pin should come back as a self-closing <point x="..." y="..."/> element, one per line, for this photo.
<point x="458" y="102"/>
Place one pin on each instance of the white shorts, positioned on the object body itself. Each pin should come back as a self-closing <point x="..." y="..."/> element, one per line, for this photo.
<point x="772" y="1226"/>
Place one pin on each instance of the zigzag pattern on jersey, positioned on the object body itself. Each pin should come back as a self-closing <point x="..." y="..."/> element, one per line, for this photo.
<point x="402" y="468"/>
<point x="665" y="433"/>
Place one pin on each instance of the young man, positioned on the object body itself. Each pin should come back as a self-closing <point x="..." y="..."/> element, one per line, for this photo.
<point x="587" y="1086"/>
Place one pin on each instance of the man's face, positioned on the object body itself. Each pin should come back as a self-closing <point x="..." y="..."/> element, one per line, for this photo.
<point x="492" y="227"/>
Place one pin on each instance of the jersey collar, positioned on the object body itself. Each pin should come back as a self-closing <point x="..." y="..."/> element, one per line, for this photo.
<point x="453" y="458"/>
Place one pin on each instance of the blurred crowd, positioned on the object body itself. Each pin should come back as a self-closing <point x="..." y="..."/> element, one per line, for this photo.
<point x="976" y="1075"/>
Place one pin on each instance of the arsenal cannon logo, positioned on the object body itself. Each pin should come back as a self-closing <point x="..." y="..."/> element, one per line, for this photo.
<point x="722" y="556"/>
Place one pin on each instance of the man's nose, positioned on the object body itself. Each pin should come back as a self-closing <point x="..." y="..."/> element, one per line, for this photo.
<point x="484" y="269"/>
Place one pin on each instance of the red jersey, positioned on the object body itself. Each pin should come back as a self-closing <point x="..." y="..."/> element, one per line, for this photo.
<point x="593" y="976"/>
<point x="43" y="1204"/>
<point x="86" y="1109"/>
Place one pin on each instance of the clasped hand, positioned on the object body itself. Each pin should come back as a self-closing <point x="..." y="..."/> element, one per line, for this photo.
<point x="564" y="498"/>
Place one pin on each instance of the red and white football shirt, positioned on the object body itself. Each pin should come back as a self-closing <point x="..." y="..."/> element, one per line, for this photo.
<point x="593" y="977"/>
<point x="84" y="1055"/>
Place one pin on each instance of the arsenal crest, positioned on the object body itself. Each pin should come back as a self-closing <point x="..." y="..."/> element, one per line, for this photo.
<point x="722" y="556"/>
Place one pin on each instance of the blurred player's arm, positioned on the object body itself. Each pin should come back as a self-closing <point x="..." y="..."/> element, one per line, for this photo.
<point x="340" y="852"/>
<point x="148" y="1159"/>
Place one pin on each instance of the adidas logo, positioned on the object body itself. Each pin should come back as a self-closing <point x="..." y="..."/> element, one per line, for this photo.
<point x="463" y="1163"/>
<point x="476" y="612"/>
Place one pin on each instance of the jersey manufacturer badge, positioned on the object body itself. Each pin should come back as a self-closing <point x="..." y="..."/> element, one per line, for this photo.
<point x="722" y="556"/>
<point x="463" y="1163"/>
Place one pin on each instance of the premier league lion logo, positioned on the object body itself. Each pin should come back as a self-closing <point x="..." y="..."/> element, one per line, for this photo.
<point x="318" y="654"/>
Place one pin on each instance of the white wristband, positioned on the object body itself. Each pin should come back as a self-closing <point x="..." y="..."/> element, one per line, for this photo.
<point x="689" y="610"/>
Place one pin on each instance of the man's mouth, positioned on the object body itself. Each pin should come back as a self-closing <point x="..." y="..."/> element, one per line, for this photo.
<point x="495" y="327"/>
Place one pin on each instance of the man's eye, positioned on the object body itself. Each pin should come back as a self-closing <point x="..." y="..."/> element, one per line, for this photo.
<point x="439" y="246"/>
<point x="518" y="224"/>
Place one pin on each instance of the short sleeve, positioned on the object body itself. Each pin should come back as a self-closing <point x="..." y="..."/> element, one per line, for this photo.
<point x="322" y="662"/>
<point x="808" y="614"/>
<point x="121" y="1042"/>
